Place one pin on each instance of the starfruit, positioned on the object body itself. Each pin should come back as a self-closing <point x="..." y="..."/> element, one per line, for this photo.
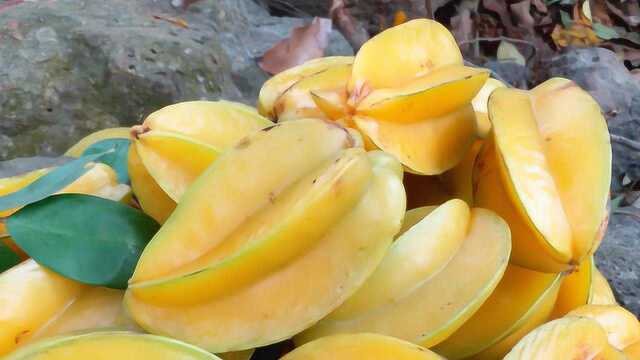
<point x="407" y="91"/>
<point x="521" y="302"/>
<point x="410" y="295"/>
<point x="361" y="346"/>
<point x="622" y="327"/>
<point x="110" y="345"/>
<point x="175" y="144"/>
<point x="547" y="172"/>
<point x="567" y="338"/>
<point x="296" y="201"/>
<point x="111" y="133"/>
<point x="38" y="303"/>
<point x="483" y="124"/>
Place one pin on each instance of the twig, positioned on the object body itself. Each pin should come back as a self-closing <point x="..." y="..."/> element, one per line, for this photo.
<point x="428" y="6"/>
<point x="632" y="144"/>
<point x="351" y="28"/>
<point x="624" y="212"/>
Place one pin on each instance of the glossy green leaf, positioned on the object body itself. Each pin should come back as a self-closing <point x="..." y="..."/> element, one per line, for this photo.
<point x="86" y="238"/>
<point x="54" y="181"/>
<point x="8" y="258"/>
<point x="117" y="158"/>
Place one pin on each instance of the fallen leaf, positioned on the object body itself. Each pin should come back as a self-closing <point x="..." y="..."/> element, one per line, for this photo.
<point x="305" y="43"/>
<point x="175" y="21"/>
<point x="399" y="17"/>
<point x="522" y="12"/>
<point x="586" y="10"/>
<point x="631" y="20"/>
<point x="500" y="7"/>
<point x="599" y="12"/>
<point x="540" y="6"/>
<point x="354" y="31"/>
<point x="508" y="52"/>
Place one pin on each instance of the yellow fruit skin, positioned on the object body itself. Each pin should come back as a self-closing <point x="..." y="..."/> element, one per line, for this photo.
<point x="566" y="338"/>
<point x="301" y="99"/>
<point x="237" y="355"/>
<point x="450" y="87"/>
<point x="244" y="194"/>
<point x="273" y="88"/>
<point x="153" y="200"/>
<point x="633" y="351"/>
<point x="111" y="345"/>
<point x="522" y="301"/>
<point x="556" y="211"/>
<point x="431" y="308"/>
<point x="412" y="49"/>
<point x="39" y="304"/>
<point x="82" y="145"/>
<point x="31" y="296"/>
<point x="218" y="123"/>
<point x="575" y="289"/>
<point x="600" y="292"/>
<point x="322" y="202"/>
<point x="360" y="346"/>
<point x="163" y="156"/>
<point x="480" y="106"/>
<point x="621" y="326"/>
<point x="427" y="147"/>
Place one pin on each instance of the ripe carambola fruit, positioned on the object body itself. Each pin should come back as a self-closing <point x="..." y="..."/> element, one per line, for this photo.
<point x="522" y="301"/>
<point x="622" y="327"/>
<point x="159" y="166"/>
<point x="547" y="172"/>
<point x="361" y="346"/>
<point x="445" y="263"/>
<point x="111" y="345"/>
<point x="37" y="304"/>
<point x="297" y="201"/>
<point x="567" y="338"/>
<point x="407" y="91"/>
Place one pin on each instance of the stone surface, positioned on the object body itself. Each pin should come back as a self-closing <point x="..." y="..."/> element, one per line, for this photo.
<point x="68" y="67"/>
<point x="600" y="72"/>
<point x="618" y="257"/>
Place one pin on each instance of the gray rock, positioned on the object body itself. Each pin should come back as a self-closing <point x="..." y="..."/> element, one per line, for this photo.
<point x="600" y="72"/>
<point x="618" y="257"/>
<point x="68" y="67"/>
<point x="19" y="166"/>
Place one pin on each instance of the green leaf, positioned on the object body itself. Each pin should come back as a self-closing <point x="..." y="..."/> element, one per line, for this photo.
<point x="8" y="258"/>
<point x="86" y="238"/>
<point x="566" y="20"/>
<point x="54" y="181"/>
<point x="116" y="159"/>
<point x="604" y="32"/>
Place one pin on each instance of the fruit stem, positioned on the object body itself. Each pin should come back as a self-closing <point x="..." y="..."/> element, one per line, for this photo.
<point x="138" y="130"/>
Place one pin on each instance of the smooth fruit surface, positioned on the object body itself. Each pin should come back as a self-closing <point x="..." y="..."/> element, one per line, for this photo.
<point x="360" y="346"/>
<point x="259" y="228"/>
<point x="621" y="326"/>
<point x="434" y="277"/>
<point x="553" y="166"/>
<point x="575" y="289"/>
<point x="566" y="338"/>
<point x="522" y="301"/>
<point x="600" y="292"/>
<point x="481" y="108"/>
<point x="111" y="345"/>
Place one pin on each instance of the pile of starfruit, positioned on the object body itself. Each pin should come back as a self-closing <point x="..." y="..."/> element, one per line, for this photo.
<point x="393" y="205"/>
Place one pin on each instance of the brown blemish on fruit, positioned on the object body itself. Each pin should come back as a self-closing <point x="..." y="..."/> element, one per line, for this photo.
<point x="269" y="128"/>
<point x="244" y="143"/>
<point x="138" y="130"/>
<point x="21" y="336"/>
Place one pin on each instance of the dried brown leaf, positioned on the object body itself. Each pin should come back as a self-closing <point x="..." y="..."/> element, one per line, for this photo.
<point x="462" y="27"/>
<point x="599" y="12"/>
<point x="522" y="12"/>
<point x="304" y="43"/>
<point x="500" y="7"/>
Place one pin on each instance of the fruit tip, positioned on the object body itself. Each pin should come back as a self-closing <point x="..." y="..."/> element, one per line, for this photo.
<point x="138" y="130"/>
